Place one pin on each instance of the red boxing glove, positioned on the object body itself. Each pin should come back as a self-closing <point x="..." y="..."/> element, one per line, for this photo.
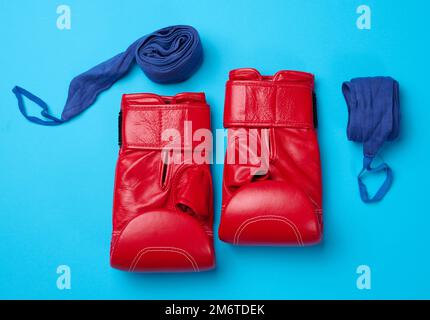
<point x="163" y="206"/>
<point x="272" y="172"/>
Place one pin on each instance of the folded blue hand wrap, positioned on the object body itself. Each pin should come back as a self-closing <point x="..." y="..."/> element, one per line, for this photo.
<point x="373" y="108"/>
<point x="169" y="55"/>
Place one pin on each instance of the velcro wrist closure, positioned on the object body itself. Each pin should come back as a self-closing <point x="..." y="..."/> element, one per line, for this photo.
<point x="154" y="125"/>
<point x="269" y="103"/>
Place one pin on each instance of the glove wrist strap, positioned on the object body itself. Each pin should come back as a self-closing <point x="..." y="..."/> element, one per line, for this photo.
<point x="284" y="100"/>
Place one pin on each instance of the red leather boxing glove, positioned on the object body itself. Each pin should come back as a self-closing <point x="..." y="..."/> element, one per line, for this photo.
<point x="272" y="172"/>
<point x="163" y="210"/>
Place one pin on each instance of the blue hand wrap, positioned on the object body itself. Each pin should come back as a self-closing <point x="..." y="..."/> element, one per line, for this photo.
<point x="373" y="108"/>
<point x="169" y="55"/>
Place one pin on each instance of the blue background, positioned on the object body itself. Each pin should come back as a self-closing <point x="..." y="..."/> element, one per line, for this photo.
<point x="56" y="184"/>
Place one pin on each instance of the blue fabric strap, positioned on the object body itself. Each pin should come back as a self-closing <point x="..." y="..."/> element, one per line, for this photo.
<point x="384" y="187"/>
<point x="374" y="117"/>
<point x="169" y="55"/>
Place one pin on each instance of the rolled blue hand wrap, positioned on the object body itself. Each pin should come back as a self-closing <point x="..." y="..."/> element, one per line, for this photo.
<point x="169" y="55"/>
<point x="373" y="108"/>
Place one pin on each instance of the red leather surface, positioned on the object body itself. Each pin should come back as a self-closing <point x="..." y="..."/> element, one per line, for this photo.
<point x="162" y="213"/>
<point x="282" y="205"/>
